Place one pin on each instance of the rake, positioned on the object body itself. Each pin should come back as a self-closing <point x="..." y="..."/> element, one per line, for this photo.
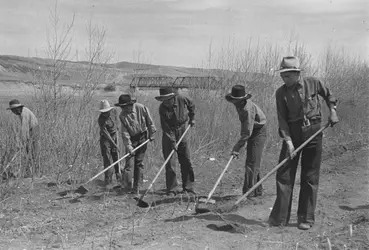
<point x="83" y="190"/>
<point x="231" y="207"/>
<point x="140" y="201"/>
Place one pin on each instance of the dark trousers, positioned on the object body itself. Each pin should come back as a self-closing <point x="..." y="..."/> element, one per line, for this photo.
<point x="134" y="164"/>
<point x="110" y="155"/>
<point x="32" y="147"/>
<point x="183" y="153"/>
<point x="255" y="147"/>
<point x="310" y="167"/>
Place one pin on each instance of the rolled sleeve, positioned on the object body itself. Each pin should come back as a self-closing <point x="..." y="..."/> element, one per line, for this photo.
<point x="324" y="92"/>
<point x="282" y="114"/>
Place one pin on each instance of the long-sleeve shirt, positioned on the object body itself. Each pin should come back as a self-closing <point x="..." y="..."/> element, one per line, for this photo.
<point x="251" y="116"/>
<point x="108" y="125"/>
<point x="136" y="122"/>
<point x="29" y="124"/>
<point x="173" y="117"/>
<point x="301" y="101"/>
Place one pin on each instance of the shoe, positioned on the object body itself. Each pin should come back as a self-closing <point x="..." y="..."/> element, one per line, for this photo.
<point x="304" y="226"/>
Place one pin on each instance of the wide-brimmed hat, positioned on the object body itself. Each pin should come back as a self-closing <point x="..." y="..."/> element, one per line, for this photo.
<point x="238" y="93"/>
<point x="289" y="63"/>
<point x="165" y="93"/>
<point x="105" y="106"/>
<point x="125" y="99"/>
<point x="15" y="104"/>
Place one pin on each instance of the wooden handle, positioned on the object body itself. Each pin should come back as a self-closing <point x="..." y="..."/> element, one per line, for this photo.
<point x="280" y="164"/>
<point x="220" y="177"/>
<point x="165" y="163"/>
<point x="125" y="156"/>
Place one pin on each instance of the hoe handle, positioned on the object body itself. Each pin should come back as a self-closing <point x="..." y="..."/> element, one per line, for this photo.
<point x="220" y="177"/>
<point x="119" y="160"/>
<point x="280" y="164"/>
<point x="166" y="161"/>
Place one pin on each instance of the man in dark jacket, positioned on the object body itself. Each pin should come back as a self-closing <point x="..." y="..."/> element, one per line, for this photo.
<point x="299" y="117"/>
<point x="173" y="118"/>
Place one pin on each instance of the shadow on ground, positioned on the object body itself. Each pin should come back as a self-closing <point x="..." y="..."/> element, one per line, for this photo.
<point x="348" y="208"/>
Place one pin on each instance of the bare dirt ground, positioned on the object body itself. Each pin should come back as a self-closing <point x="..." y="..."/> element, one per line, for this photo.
<point x="39" y="214"/>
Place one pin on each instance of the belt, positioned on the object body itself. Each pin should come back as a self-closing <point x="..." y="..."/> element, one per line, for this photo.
<point x="178" y="125"/>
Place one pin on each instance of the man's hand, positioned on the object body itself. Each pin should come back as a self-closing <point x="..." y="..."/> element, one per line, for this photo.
<point x="192" y="123"/>
<point x="333" y="118"/>
<point x="235" y="154"/>
<point x="290" y="148"/>
<point x="174" y="147"/>
<point x="151" y="138"/>
<point x="130" y="150"/>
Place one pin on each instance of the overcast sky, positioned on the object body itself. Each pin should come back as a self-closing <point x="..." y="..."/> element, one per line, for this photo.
<point x="178" y="32"/>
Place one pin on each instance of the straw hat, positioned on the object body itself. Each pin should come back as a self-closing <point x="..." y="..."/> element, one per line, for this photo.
<point x="289" y="63"/>
<point x="105" y="106"/>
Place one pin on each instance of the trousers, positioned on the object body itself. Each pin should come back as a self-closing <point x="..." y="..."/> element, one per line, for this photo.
<point x="311" y="156"/>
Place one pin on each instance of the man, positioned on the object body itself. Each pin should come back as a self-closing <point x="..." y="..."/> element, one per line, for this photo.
<point x="29" y="135"/>
<point x="108" y="123"/>
<point x="253" y="130"/>
<point x="137" y="127"/>
<point x="173" y="119"/>
<point x="299" y="117"/>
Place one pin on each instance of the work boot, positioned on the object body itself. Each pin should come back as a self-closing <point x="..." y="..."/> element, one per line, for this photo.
<point x="304" y="226"/>
<point x="189" y="188"/>
<point x="174" y="191"/>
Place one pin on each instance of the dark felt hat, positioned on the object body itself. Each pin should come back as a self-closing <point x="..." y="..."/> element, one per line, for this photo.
<point x="165" y="93"/>
<point x="238" y="93"/>
<point x="124" y="100"/>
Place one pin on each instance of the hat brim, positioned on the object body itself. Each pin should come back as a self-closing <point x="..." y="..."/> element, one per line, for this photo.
<point x="125" y="104"/>
<point x="15" y="106"/>
<point x="106" y="110"/>
<point x="164" y="97"/>
<point x="287" y="70"/>
<point x="234" y="99"/>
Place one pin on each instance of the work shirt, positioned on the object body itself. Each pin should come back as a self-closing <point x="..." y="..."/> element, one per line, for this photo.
<point x="136" y="122"/>
<point x="29" y="124"/>
<point x="301" y="100"/>
<point x="175" y="116"/>
<point x="108" y="124"/>
<point x="251" y="116"/>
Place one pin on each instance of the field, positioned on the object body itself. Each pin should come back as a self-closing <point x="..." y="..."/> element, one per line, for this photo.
<point x="43" y="212"/>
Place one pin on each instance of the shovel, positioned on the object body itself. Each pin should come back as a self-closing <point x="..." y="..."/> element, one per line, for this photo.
<point x="142" y="203"/>
<point x="203" y="209"/>
<point x="83" y="190"/>
<point x="228" y="208"/>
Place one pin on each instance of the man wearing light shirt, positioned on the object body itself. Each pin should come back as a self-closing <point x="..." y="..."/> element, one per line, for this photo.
<point x="137" y="127"/>
<point x="29" y="135"/>
<point x="253" y="131"/>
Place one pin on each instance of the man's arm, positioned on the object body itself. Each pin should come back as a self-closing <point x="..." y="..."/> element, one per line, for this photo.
<point x="246" y="129"/>
<point x="282" y="114"/>
<point x="324" y="92"/>
<point x="149" y="122"/>
<point x="190" y="107"/>
<point x="126" y="138"/>
<point x="165" y="126"/>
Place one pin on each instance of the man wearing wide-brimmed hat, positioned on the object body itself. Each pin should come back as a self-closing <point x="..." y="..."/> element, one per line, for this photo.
<point x="29" y="134"/>
<point x="108" y="123"/>
<point x="299" y="117"/>
<point x="137" y="127"/>
<point x="253" y="131"/>
<point x="173" y="118"/>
